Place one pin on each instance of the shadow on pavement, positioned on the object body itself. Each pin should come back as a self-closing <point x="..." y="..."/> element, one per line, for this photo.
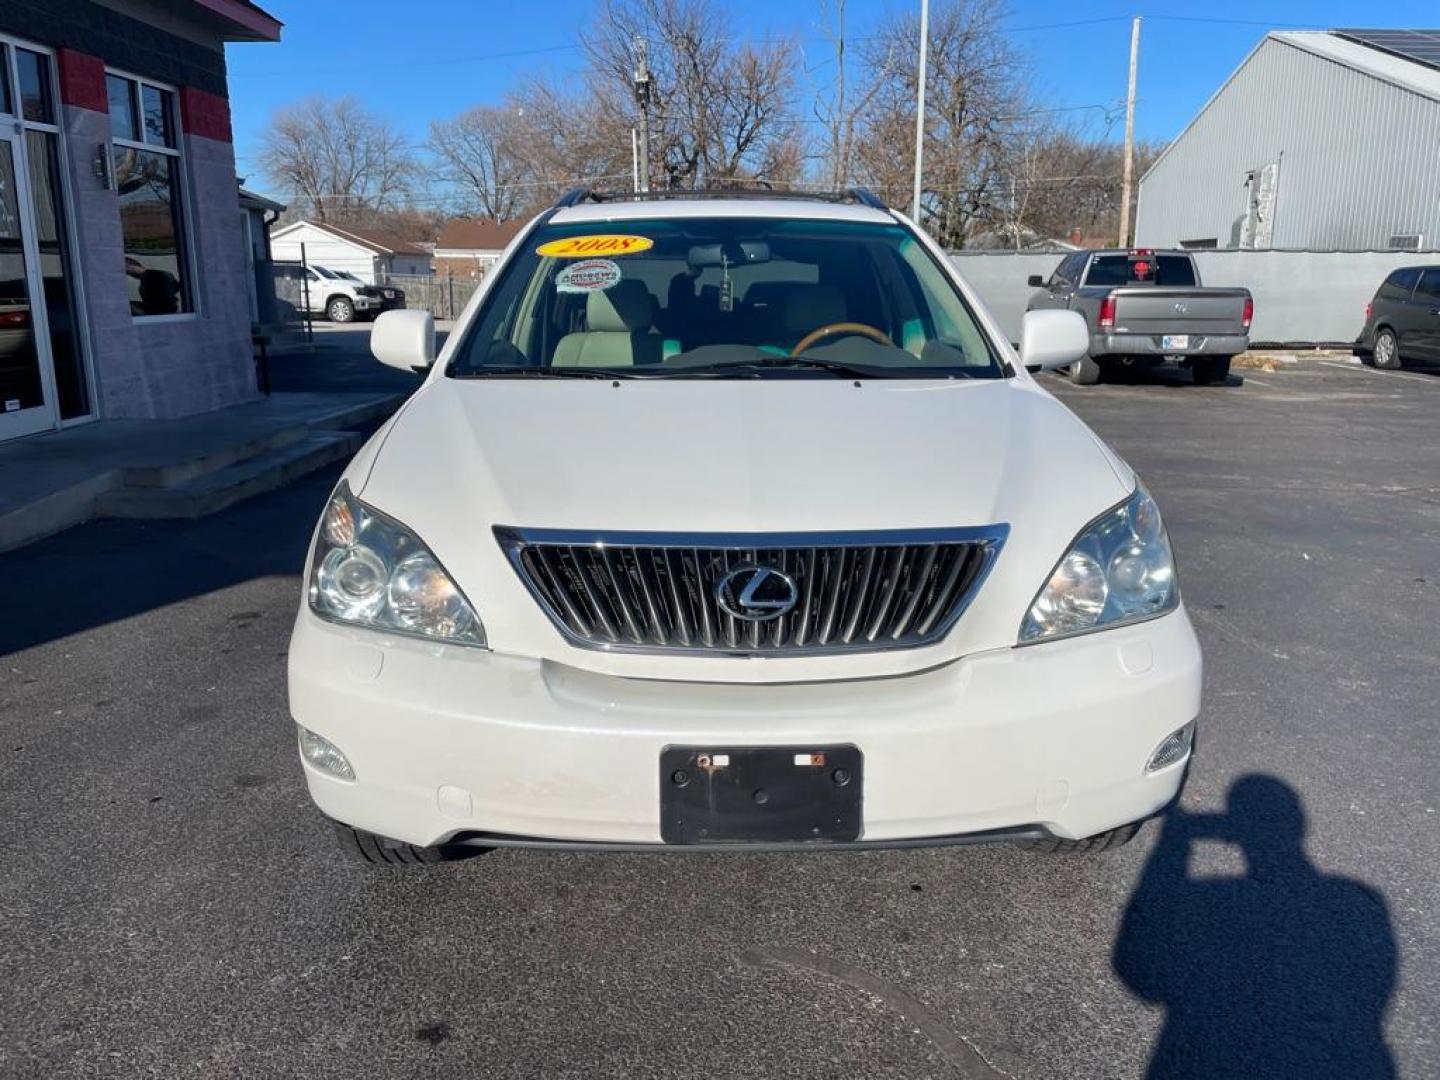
<point x="1284" y="972"/>
<point x="105" y="571"/>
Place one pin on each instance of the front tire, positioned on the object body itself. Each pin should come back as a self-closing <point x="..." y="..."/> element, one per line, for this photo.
<point x="1386" y="353"/>
<point x="376" y="850"/>
<point x="1091" y="845"/>
<point x="1210" y="369"/>
<point x="340" y="310"/>
<point x="1085" y="371"/>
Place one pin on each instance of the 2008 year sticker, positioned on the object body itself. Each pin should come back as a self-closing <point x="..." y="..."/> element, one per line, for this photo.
<point x="588" y="275"/>
<point x="581" y="247"/>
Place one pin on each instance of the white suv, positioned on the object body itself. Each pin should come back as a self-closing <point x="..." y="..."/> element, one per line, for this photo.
<point x="735" y="522"/>
<point x="337" y="294"/>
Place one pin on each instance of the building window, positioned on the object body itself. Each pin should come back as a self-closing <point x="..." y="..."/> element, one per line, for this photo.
<point x="149" y="181"/>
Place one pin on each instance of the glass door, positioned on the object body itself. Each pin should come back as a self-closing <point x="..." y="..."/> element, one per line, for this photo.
<point x="27" y="390"/>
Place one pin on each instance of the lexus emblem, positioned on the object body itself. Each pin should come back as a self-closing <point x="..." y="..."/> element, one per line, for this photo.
<point x="1180" y="309"/>
<point x="756" y="593"/>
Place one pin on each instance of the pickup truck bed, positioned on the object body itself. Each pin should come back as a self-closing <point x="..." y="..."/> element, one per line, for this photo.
<point x="1143" y="307"/>
<point x="1209" y="319"/>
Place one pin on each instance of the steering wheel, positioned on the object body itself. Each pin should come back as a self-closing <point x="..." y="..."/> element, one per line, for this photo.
<point x="841" y="328"/>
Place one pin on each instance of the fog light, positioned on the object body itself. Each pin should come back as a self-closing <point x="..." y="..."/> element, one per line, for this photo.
<point x="324" y="754"/>
<point x="1173" y="749"/>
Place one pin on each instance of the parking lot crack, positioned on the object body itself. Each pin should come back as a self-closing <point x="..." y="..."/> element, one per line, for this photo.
<point x="970" y="1063"/>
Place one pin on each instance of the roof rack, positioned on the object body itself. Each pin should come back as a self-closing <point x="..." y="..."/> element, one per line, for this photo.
<point x="863" y="196"/>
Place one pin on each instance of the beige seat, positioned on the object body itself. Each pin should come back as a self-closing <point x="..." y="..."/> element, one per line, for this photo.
<point x="618" y="331"/>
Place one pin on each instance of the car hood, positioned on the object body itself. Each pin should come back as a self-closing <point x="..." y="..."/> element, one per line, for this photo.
<point x="743" y="455"/>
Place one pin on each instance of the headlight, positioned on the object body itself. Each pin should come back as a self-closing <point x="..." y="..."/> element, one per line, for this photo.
<point x="1118" y="570"/>
<point x="369" y="570"/>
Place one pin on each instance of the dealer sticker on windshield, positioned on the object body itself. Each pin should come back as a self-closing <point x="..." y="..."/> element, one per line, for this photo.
<point x="588" y="275"/>
<point x="582" y="247"/>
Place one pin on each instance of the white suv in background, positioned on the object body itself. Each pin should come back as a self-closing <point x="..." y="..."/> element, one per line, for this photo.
<point x="736" y="523"/>
<point x="337" y="294"/>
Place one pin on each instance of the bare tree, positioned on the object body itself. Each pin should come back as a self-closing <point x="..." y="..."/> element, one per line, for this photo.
<point x="975" y="95"/>
<point x="721" y="110"/>
<point x="564" y="139"/>
<point x="336" y="160"/>
<point x="477" y="152"/>
<point x="1063" y="179"/>
<point x="840" y="105"/>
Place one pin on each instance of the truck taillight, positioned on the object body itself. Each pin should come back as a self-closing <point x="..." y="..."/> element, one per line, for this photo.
<point x="1107" y="313"/>
<point x="1367" y="311"/>
<point x="1247" y="313"/>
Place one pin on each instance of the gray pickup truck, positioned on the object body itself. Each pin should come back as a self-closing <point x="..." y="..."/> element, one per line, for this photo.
<point x="1144" y="307"/>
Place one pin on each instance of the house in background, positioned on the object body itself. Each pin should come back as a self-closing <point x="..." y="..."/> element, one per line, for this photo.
<point x="468" y="247"/>
<point x="372" y="255"/>
<point x="1323" y="140"/>
<point x="124" y="284"/>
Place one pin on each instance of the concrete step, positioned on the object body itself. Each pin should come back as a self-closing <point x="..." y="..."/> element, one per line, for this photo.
<point x="218" y="489"/>
<point x="351" y="417"/>
<point x="175" y="473"/>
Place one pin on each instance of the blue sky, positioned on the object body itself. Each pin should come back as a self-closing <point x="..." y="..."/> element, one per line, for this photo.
<point x="428" y="59"/>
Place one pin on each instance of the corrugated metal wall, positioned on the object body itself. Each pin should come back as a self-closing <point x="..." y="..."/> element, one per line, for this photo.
<point x="1311" y="297"/>
<point x="1360" y="159"/>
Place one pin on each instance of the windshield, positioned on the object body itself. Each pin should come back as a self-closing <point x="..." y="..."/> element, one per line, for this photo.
<point x="322" y="271"/>
<point x="725" y="297"/>
<point x="347" y="275"/>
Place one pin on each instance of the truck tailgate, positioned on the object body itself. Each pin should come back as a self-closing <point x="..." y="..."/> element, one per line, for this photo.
<point x="1154" y="310"/>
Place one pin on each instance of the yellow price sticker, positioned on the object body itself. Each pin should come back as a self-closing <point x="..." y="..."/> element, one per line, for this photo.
<point x="610" y="244"/>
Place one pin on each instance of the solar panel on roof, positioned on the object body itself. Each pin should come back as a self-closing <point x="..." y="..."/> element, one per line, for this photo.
<point x="1421" y="46"/>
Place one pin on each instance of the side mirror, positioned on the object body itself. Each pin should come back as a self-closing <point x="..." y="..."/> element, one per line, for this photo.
<point x="1036" y="281"/>
<point x="1052" y="339"/>
<point x="404" y="340"/>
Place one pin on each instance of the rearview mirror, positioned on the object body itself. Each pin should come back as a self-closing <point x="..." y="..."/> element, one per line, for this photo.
<point x="1053" y="339"/>
<point x="1036" y="281"/>
<point x="404" y="340"/>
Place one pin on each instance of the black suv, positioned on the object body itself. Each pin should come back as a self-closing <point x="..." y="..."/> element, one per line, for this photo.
<point x="1403" y="321"/>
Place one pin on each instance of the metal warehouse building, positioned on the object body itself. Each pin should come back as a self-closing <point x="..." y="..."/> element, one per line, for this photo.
<point x="1319" y="140"/>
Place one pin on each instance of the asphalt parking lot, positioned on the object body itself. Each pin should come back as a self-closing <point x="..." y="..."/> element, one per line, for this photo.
<point x="172" y="905"/>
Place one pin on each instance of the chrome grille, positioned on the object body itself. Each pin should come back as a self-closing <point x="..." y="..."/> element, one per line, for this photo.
<point x="663" y="592"/>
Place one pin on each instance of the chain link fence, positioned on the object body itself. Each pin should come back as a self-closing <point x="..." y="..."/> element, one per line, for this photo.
<point x="443" y="296"/>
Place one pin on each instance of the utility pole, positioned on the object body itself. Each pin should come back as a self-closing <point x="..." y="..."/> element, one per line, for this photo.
<point x="920" y="109"/>
<point x="642" y="98"/>
<point x="1129" y="134"/>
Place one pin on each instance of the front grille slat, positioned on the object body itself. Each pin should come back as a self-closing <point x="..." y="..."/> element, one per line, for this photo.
<point x="623" y="591"/>
<point x="582" y="562"/>
<point x="918" y="584"/>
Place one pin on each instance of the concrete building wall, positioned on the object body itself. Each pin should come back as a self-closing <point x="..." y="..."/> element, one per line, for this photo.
<point x="141" y="36"/>
<point x="166" y="366"/>
<point x="176" y="365"/>
<point x="1301" y="297"/>
<point x="1357" y="159"/>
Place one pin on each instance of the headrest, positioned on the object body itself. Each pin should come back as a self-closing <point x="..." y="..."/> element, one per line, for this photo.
<point x="623" y="308"/>
<point x="809" y="307"/>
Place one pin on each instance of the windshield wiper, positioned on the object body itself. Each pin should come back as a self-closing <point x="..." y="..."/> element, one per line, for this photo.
<point x="496" y="371"/>
<point x="835" y="367"/>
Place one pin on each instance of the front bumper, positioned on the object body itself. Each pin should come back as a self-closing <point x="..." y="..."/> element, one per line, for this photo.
<point x="1153" y="345"/>
<point x="447" y="741"/>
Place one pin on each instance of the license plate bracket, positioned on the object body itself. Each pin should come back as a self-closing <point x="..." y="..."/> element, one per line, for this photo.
<point x="737" y="795"/>
<point x="1175" y="341"/>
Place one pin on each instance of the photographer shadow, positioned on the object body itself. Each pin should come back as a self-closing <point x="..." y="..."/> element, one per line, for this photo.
<point x="1283" y="972"/>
